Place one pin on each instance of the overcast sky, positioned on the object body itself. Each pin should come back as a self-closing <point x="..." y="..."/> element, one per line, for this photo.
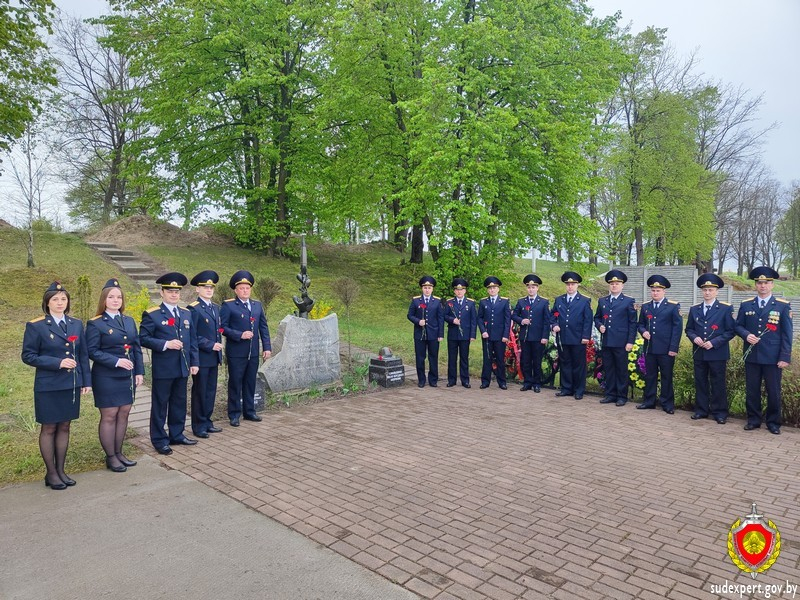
<point x="750" y="43"/>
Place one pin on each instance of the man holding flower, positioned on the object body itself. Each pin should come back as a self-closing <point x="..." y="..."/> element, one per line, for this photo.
<point x="427" y="314"/>
<point x="765" y="325"/>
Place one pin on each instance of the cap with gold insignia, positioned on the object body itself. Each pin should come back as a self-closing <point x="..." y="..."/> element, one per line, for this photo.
<point x="459" y="283"/>
<point x="55" y="287"/>
<point x="242" y="277"/>
<point x="491" y="280"/>
<point x="615" y="275"/>
<point x="763" y="274"/>
<point x="532" y="278"/>
<point x="571" y="277"/>
<point x="205" y="278"/>
<point x="710" y="280"/>
<point x="427" y="280"/>
<point x="111" y="283"/>
<point x="658" y="281"/>
<point x="172" y="281"/>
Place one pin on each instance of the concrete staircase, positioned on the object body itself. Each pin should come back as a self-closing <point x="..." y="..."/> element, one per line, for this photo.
<point x="129" y="264"/>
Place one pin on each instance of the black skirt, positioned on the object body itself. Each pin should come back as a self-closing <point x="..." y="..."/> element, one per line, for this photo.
<point x="57" y="406"/>
<point x="112" y="391"/>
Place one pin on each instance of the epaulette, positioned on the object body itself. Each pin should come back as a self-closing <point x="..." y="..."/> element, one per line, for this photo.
<point x="153" y="309"/>
<point x="37" y="319"/>
<point x="471" y="299"/>
<point x="97" y="317"/>
<point x="784" y="300"/>
<point x="521" y="299"/>
<point x="230" y="299"/>
<point x="721" y="302"/>
<point x="503" y="298"/>
<point x="749" y="299"/>
<point x="543" y="298"/>
<point x="415" y="297"/>
<point x="437" y="297"/>
<point x="672" y="302"/>
<point x="195" y="303"/>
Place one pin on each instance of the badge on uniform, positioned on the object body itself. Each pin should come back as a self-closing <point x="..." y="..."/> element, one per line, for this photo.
<point x="110" y="331"/>
<point x="185" y="323"/>
<point x="52" y="337"/>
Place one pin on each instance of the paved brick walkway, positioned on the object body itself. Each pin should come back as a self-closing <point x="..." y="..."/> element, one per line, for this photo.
<point x="473" y="494"/>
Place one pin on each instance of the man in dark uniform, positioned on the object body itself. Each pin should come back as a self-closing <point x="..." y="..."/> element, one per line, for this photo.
<point x="532" y="312"/>
<point x="427" y="314"/>
<point x="571" y="320"/>
<point x="615" y="319"/>
<point x="243" y="324"/>
<point x="660" y="324"/>
<point x="710" y="327"/>
<point x="494" y="321"/>
<point x="765" y="325"/>
<point x="206" y="323"/>
<point x="462" y="323"/>
<point x="167" y="330"/>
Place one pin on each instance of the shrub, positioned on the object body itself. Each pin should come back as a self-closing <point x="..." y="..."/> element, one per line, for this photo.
<point x="136" y="304"/>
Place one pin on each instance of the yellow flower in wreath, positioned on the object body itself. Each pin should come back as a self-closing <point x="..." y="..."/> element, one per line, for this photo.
<point x="631" y="366"/>
<point x="634" y="377"/>
<point x="640" y="384"/>
<point x="632" y="356"/>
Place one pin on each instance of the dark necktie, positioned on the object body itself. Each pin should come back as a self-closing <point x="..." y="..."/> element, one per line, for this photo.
<point x="118" y="319"/>
<point x="705" y="309"/>
<point x="611" y="301"/>
<point x="213" y="314"/>
<point x="763" y="303"/>
<point x="569" y="300"/>
<point x="656" y="305"/>
<point x="63" y="325"/>
<point x="492" y="300"/>
<point x="177" y="317"/>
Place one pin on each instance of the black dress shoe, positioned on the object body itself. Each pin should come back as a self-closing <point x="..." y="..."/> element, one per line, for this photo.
<point x="669" y="411"/>
<point x="560" y="394"/>
<point x="721" y="420"/>
<point x="450" y="384"/>
<point x="466" y="385"/>
<point x="255" y="418"/>
<point x="115" y="468"/>
<point x="750" y="427"/>
<point x="420" y="385"/>
<point x="621" y="402"/>
<point x="503" y="386"/>
<point x="696" y="417"/>
<point x="644" y="406"/>
<point x="773" y="429"/>
<point x="578" y="396"/>
<point x="68" y="481"/>
<point x="235" y="422"/>
<point x="165" y="450"/>
<point x="525" y="388"/>
<point x="537" y="388"/>
<point x="484" y="386"/>
<point x="125" y="460"/>
<point x="213" y="429"/>
<point x="184" y="441"/>
<point x="433" y="384"/>
<point x="55" y="486"/>
<point x="202" y="435"/>
<point x="607" y="400"/>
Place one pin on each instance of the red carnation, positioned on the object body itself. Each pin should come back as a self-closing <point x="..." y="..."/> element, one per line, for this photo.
<point x="423" y="306"/>
<point x="450" y="304"/>
<point x="714" y="327"/>
<point x="772" y="327"/>
<point x="649" y="316"/>
<point x="252" y="319"/>
<point x="555" y="314"/>
<point x="527" y="307"/>
<point x="171" y="322"/>
<point x="72" y="338"/>
<point x="221" y="330"/>
<point x="126" y="347"/>
<point x="605" y="316"/>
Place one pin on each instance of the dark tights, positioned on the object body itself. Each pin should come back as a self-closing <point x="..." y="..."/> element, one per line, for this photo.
<point x="112" y="428"/>
<point x="53" y="444"/>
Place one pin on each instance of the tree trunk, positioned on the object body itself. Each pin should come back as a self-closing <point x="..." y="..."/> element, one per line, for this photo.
<point x="416" y="245"/>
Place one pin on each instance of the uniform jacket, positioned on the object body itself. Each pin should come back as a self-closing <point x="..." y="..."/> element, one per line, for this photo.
<point x="107" y="340"/>
<point x="718" y="327"/>
<point x="45" y="345"/>
<point x="432" y="312"/>
<point x="495" y="319"/>
<point x="235" y="319"/>
<point x="467" y="313"/>
<point x="664" y="324"/>
<point x="574" y="319"/>
<point x="538" y="312"/>
<point x="206" y="322"/>
<point x="619" y="317"/>
<point x="155" y="331"/>
<point x="775" y="345"/>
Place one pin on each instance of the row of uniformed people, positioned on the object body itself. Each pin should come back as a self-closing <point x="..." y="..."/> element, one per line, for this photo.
<point x="710" y="327"/>
<point x="183" y="341"/>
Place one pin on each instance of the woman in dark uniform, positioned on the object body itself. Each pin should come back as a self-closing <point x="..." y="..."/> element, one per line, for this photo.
<point x="117" y="370"/>
<point x="55" y="344"/>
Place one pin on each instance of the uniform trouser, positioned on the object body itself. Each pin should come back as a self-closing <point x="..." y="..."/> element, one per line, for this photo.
<point x="531" y="358"/>
<point x="457" y="352"/>
<point x="494" y="359"/>
<point x="573" y="369"/>
<point x="754" y="374"/>
<point x="167" y="404"/>
<point x="431" y="349"/>
<point x="242" y="386"/>
<point x="204" y="392"/>
<point x="615" y="370"/>
<point x="656" y="364"/>
<point x="711" y="392"/>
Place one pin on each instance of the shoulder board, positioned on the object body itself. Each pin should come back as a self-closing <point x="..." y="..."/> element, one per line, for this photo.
<point x="783" y="300"/>
<point x="471" y="299"/>
<point x="153" y="309"/>
<point x="37" y="319"/>
<point x="230" y="300"/>
<point x="97" y="317"/>
<point x="543" y="298"/>
<point x="195" y="303"/>
<point x="437" y="297"/>
<point x="521" y="299"/>
<point x="749" y="299"/>
<point x="672" y="302"/>
<point x="416" y="297"/>
<point x="503" y="298"/>
<point x="721" y="302"/>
